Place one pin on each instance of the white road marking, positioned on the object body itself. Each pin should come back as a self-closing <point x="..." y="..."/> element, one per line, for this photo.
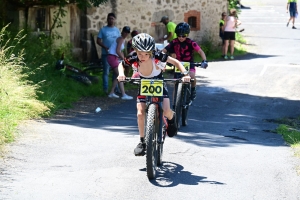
<point x="277" y="65"/>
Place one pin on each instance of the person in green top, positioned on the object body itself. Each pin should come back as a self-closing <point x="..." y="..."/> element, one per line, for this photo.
<point x="292" y="8"/>
<point x="170" y="28"/>
<point x="221" y="33"/>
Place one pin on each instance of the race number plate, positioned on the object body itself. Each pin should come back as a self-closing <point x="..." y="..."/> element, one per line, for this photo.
<point x="186" y="66"/>
<point x="152" y="87"/>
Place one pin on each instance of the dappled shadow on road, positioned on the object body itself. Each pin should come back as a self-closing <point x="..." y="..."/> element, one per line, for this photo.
<point x="217" y="118"/>
<point x="172" y="174"/>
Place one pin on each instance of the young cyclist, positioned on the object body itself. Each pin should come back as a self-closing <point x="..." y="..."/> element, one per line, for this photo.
<point x="183" y="48"/>
<point x="150" y="63"/>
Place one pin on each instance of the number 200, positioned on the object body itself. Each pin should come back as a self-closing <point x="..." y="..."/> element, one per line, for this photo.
<point x="151" y="89"/>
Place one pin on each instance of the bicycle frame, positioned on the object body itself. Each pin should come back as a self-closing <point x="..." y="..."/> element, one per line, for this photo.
<point x="181" y="102"/>
<point x="80" y="75"/>
<point x="158" y="101"/>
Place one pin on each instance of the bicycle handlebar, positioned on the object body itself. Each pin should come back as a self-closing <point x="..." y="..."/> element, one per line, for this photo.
<point x="137" y="80"/>
<point x="202" y="64"/>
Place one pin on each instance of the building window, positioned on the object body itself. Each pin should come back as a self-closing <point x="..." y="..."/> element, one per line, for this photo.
<point x="192" y="17"/>
<point x="192" y="22"/>
<point x="41" y="19"/>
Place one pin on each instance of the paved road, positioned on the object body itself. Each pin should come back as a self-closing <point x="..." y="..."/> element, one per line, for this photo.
<point x="226" y="152"/>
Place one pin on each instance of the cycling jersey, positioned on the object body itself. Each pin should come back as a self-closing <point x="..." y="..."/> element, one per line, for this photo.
<point x="159" y="60"/>
<point x="184" y="50"/>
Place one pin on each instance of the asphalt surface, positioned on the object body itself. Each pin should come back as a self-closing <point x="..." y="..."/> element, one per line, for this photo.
<point x="226" y="152"/>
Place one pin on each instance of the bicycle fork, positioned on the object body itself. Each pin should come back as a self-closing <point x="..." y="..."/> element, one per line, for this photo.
<point x="187" y="97"/>
<point x="161" y="119"/>
<point x="160" y="139"/>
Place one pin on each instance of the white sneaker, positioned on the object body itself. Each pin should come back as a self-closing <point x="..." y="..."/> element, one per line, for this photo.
<point x="113" y="95"/>
<point x="126" y="97"/>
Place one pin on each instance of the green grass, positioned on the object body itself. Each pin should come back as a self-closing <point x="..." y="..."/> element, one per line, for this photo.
<point x="215" y="53"/>
<point x="18" y="95"/>
<point x="30" y="86"/>
<point x="289" y="128"/>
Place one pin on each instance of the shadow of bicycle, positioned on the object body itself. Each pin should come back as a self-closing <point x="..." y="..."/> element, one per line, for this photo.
<point x="171" y="174"/>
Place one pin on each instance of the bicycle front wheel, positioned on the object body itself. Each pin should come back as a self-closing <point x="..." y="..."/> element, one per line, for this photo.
<point x="151" y="142"/>
<point x="178" y="104"/>
<point x="186" y="101"/>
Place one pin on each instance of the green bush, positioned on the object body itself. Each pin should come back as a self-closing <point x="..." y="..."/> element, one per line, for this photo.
<point x="30" y="86"/>
<point x="18" y="95"/>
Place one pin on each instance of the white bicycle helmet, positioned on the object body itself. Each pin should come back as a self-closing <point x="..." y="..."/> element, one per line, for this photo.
<point x="143" y="42"/>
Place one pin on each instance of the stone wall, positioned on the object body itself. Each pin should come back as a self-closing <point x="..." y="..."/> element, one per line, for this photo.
<point x="145" y="15"/>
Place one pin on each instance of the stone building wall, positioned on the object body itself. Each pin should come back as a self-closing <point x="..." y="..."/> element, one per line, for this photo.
<point x="145" y="15"/>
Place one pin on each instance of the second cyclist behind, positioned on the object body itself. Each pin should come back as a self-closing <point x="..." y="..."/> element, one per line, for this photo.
<point x="150" y="63"/>
<point x="182" y="48"/>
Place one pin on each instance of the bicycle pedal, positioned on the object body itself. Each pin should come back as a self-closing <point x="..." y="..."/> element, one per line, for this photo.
<point x="141" y="154"/>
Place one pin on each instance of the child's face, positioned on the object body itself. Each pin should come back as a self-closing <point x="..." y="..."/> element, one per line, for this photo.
<point x="182" y="38"/>
<point x="143" y="56"/>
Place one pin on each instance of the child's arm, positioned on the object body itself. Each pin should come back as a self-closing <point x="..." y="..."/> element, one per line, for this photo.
<point x="176" y="63"/>
<point x="202" y="54"/>
<point x="121" y="76"/>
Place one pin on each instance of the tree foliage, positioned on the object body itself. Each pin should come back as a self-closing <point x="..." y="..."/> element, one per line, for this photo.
<point x="82" y="4"/>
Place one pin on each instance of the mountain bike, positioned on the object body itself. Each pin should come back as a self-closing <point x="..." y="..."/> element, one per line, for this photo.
<point x="155" y="123"/>
<point x="80" y="75"/>
<point x="182" y="94"/>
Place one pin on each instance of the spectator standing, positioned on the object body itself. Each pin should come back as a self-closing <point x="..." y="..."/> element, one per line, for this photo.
<point x="106" y="36"/>
<point x="114" y="57"/>
<point x="129" y="43"/>
<point x="170" y="26"/>
<point x="292" y="8"/>
<point x="221" y="32"/>
<point x="230" y="25"/>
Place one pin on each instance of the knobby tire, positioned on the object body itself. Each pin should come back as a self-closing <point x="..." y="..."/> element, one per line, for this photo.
<point x="161" y="145"/>
<point x="186" y="101"/>
<point x="178" y="104"/>
<point x="151" y="141"/>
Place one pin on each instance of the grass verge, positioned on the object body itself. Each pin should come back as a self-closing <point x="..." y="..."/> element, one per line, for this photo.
<point x="289" y="128"/>
<point x="215" y="53"/>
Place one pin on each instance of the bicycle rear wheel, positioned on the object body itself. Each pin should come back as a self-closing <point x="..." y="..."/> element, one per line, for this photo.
<point x="151" y="142"/>
<point x="178" y="104"/>
<point x="160" y="147"/>
<point x="186" y="101"/>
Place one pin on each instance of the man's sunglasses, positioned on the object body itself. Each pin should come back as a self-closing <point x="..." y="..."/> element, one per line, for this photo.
<point x="182" y="36"/>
